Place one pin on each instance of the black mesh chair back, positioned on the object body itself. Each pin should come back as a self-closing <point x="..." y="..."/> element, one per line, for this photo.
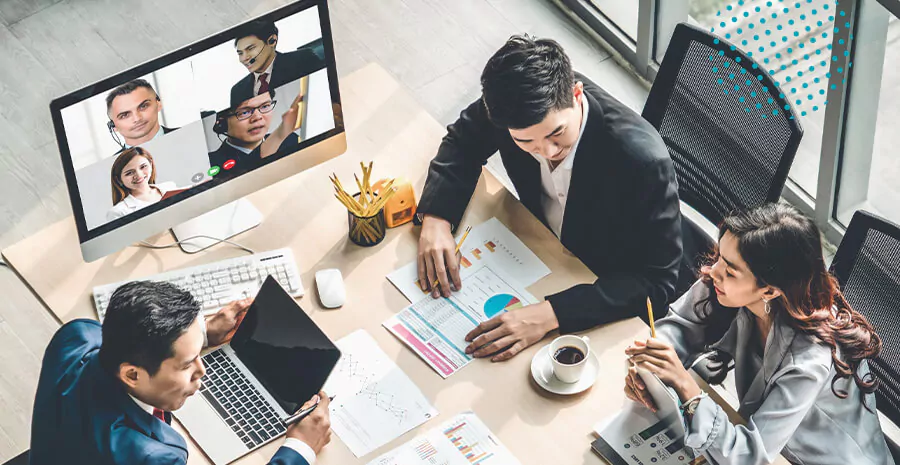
<point x="867" y="265"/>
<point x="730" y="132"/>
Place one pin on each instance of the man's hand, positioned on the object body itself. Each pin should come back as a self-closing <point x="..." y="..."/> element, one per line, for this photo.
<point x="315" y="429"/>
<point x="507" y="334"/>
<point x="221" y="326"/>
<point x="437" y="257"/>
<point x="284" y="130"/>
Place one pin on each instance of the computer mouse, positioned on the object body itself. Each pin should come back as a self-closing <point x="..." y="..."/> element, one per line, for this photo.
<point x="330" y="285"/>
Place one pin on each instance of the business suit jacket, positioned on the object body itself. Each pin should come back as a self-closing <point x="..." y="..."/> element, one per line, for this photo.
<point x="785" y="394"/>
<point x="287" y="67"/>
<point x="84" y="415"/>
<point x="622" y="217"/>
<point x="247" y="161"/>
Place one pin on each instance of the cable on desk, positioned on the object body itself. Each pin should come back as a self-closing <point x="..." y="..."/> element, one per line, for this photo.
<point x="199" y="236"/>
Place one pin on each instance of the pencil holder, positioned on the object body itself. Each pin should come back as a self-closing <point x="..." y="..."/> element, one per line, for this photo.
<point x="366" y="230"/>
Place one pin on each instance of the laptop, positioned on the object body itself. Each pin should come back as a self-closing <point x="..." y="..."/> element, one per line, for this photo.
<point x="277" y="360"/>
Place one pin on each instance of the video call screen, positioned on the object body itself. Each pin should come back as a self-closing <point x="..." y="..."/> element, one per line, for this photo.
<point x="260" y="94"/>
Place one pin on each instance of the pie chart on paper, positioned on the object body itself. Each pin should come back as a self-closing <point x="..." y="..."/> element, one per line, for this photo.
<point x="501" y="303"/>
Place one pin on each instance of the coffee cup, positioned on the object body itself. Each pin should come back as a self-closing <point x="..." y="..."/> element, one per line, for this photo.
<point x="568" y="357"/>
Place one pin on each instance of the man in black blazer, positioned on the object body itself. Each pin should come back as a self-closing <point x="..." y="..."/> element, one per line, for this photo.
<point x="133" y="110"/>
<point x="106" y="393"/>
<point x="245" y="127"/>
<point x="592" y="170"/>
<point x="268" y="68"/>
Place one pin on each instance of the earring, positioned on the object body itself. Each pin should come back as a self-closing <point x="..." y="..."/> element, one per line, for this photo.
<point x="768" y="307"/>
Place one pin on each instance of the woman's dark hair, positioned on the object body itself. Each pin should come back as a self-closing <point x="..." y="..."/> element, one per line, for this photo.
<point x="525" y="80"/>
<point x="783" y="248"/>
<point x="119" y="191"/>
<point x="142" y="322"/>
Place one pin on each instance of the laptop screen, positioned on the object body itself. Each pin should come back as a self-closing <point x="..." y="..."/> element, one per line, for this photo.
<point x="283" y="347"/>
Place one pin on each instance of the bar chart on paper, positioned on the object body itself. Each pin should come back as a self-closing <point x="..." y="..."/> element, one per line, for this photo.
<point x="489" y="244"/>
<point x="468" y="443"/>
<point x="464" y="440"/>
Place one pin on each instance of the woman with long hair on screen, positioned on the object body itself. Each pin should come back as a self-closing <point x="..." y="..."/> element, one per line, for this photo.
<point x="799" y="350"/>
<point x="133" y="181"/>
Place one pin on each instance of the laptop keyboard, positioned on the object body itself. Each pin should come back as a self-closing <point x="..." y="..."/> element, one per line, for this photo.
<point x="238" y="402"/>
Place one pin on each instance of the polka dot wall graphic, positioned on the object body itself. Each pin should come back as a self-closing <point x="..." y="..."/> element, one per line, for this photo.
<point x="792" y="42"/>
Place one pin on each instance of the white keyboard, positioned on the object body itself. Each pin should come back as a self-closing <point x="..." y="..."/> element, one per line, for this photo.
<point x="216" y="284"/>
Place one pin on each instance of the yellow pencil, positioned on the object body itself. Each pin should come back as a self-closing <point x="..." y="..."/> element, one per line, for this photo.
<point x="650" y="316"/>
<point x="458" y="245"/>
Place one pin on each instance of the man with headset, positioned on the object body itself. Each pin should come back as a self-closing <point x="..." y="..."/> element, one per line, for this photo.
<point x="133" y="110"/>
<point x="268" y="68"/>
<point x="245" y="127"/>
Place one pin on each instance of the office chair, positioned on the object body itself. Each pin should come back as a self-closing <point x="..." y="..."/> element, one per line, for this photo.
<point x="867" y="265"/>
<point x="21" y="459"/>
<point x="732" y="147"/>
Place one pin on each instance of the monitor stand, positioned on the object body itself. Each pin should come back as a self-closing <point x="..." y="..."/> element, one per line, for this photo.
<point x="222" y="223"/>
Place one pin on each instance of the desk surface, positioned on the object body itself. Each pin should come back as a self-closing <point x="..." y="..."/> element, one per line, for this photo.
<point x="386" y="125"/>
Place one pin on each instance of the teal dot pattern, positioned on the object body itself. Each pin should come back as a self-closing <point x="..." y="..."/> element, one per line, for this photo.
<point x="792" y="42"/>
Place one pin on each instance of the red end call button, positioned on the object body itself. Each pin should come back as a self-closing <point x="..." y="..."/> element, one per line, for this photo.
<point x="229" y="164"/>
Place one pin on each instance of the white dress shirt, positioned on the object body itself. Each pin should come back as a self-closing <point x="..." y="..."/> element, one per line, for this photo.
<point x="555" y="182"/>
<point x="132" y="204"/>
<point x="238" y="147"/>
<point x="256" y="82"/>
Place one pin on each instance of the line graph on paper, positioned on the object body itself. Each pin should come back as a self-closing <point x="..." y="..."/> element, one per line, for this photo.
<point x="375" y="401"/>
<point x="368" y="388"/>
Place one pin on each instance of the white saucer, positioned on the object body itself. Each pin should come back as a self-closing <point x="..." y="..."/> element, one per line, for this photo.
<point x="542" y="372"/>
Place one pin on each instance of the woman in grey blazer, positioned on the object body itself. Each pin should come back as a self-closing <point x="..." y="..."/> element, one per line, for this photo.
<point x="799" y="350"/>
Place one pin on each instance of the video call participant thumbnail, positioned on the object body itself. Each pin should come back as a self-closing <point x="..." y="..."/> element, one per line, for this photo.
<point x="245" y="130"/>
<point x="269" y="68"/>
<point x="133" y="110"/>
<point x="133" y="181"/>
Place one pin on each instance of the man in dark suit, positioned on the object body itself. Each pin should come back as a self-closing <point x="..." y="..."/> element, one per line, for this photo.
<point x="245" y="126"/>
<point x="269" y="69"/>
<point x="105" y="392"/>
<point x="593" y="171"/>
<point x="133" y="110"/>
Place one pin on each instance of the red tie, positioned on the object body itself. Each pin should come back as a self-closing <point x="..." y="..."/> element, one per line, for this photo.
<point x="263" y="85"/>
<point x="159" y="414"/>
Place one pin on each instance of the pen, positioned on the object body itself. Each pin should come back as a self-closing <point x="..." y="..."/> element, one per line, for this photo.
<point x="458" y="245"/>
<point x="303" y="413"/>
<point x="650" y="316"/>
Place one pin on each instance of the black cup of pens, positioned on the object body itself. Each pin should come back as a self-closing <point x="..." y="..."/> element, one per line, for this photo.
<point x="366" y="230"/>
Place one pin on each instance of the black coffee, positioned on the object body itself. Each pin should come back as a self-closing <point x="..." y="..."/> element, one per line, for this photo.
<point x="568" y="355"/>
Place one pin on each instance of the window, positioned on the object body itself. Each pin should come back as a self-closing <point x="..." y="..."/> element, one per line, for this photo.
<point x="624" y="13"/>
<point x="870" y="172"/>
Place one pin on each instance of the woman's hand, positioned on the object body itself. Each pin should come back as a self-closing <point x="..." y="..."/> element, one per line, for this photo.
<point x="659" y="357"/>
<point x="636" y="390"/>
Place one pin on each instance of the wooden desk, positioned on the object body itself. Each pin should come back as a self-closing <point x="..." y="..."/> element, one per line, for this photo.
<point x="386" y="125"/>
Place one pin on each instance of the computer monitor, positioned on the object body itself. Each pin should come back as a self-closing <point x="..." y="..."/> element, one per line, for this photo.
<point x="178" y="141"/>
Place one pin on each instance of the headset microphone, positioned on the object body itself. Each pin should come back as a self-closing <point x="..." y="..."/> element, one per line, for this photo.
<point x="269" y="42"/>
<point x="112" y="133"/>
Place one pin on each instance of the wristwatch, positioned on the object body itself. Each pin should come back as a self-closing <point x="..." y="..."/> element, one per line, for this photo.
<point x="690" y="406"/>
